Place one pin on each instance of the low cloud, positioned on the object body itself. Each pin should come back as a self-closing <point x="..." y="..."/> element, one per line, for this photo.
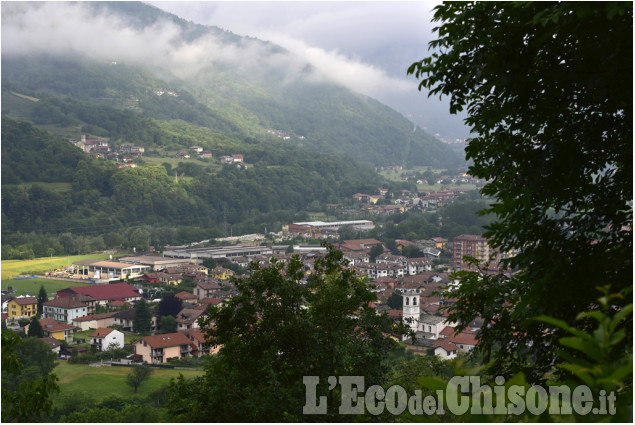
<point x="74" y="28"/>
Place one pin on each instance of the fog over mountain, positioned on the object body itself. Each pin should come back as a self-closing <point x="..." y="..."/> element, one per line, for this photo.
<point x="80" y="28"/>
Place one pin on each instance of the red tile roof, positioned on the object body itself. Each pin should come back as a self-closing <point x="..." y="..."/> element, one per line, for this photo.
<point x="463" y="338"/>
<point x="166" y="340"/>
<point x="51" y="325"/>
<point x="101" y="332"/>
<point x="98" y="316"/>
<point x="25" y="300"/>
<point x="65" y="302"/>
<point x="113" y="291"/>
<point x="445" y="344"/>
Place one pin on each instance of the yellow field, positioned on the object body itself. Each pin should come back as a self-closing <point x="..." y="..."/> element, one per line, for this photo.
<point x="11" y="268"/>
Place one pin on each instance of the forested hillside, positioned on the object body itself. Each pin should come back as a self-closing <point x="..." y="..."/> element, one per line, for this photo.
<point x="307" y="141"/>
<point x="271" y="91"/>
<point x="102" y="199"/>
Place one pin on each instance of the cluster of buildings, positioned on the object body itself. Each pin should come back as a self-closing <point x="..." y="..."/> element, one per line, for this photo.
<point x="99" y="148"/>
<point x="76" y="308"/>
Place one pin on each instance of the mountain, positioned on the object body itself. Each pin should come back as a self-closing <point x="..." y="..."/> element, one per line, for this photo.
<point x="233" y="86"/>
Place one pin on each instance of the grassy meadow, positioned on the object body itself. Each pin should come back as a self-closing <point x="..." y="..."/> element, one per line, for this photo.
<point x="102" y="382"/>
<point x="11" y="268"/>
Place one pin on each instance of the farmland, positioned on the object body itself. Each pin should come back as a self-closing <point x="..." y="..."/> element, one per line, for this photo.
<point x="103" y="382"/>
<point x="39" y="266"/>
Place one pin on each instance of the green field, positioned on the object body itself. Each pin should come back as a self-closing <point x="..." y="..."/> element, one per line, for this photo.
<point x="102" y="382"/>
<point x="11" y="268"/>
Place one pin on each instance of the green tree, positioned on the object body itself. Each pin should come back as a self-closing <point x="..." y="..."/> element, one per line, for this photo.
<point x="376" y="251"/>
<point x="42" y="297"/>
<point x="278" y="330"/>
<point x="137" y="376"/>
<point x="395" y="300"/>
<point x="168" y="324"/>
<point x="548" y="91"/>
<point x="142" y="321"/>
<point x="170" y="305"/>
<point x="25" y="400"/>
<point x="210" y="263"/>
<point x="35" y="328"/>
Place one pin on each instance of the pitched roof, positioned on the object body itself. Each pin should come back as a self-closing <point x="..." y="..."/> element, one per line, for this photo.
<point x="25" y="300"/>
<point x="101" y="332"/>
<point x="51" y="325"/>
<point x="184" y="295"/>
<point x="463" y="338"/>
<point x="188" y="315"/>
<point x="208" y="285"/>
<point x="65" y="302"/>
<point x="210" y="300"/>
<point x="166" y="340"/>
<point x="98" y="316"/>
<point x="445" y="344"/>
<point x="112" y="291"/>
<point x="51" y="342"/>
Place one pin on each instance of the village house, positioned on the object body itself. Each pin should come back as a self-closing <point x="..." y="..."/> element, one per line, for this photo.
<point x="377" y="270"/>
<point x="22" y="308"/>
<point x="200" y="347"/>
<point x="94" y="321"/>
<point x="159" y="349"/>
<point x="206" y="289"/>
<point x="125" y="319"/>
<point x="104" y="339"/>
<point x="66" y="309"/>
<point x="221" y="273"/>
<point x="53" y="344"/>
<point x="187" y="318"/>
<point x="58" y="330"/>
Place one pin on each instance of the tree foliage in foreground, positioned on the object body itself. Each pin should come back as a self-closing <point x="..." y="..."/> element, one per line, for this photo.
<point x="278" y="330"/>
<point x="548" y="91"/>
<point x="27" y="383"/>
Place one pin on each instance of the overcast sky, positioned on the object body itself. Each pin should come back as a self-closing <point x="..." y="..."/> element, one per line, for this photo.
<point x="366" y="46"/>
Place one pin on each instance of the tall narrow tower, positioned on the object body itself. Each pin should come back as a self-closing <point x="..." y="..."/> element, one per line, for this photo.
<point x="411" y="308"/>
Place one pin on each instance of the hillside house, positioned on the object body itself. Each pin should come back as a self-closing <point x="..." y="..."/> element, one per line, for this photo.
<point x="159" y="349"/>
<point x="206" y="289"/>
<point x="22" y="307"/>
<point x="58" y="330"/>
<point x="66" y="309"/>
<point x="104" y="339"/>
<point x="94" y="321"/>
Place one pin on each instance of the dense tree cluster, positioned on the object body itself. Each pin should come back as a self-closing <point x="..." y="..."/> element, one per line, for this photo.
<point x="548" y="91"/>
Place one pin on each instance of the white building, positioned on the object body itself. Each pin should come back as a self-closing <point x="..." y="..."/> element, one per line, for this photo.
<point x="102" y="338"/>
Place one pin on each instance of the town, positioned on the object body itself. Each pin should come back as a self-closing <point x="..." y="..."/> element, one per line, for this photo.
<point x="197" y="276"/>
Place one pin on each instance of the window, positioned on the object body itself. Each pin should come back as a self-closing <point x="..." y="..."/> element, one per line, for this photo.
<point x="407" y="301"/>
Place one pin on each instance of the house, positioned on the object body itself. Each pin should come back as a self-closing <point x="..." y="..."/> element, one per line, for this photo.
<point x="186" y="296"/>
<point x="125" y="319"/>
<point x="53" y="344"/>
<point x="206" y="288"/>
<point x="205" y="154"/>
<point x="94" y="321"/>
<point x="237" y="158"/>
<point x="465" y="341"/>
<point x="159" y="349"/>
<point x="170" y="278"/>
<point x="197" y="149"/>
<point x="104" y="339"/>
<point x="187" y="318"/>
<point x="58" y="330"/>
<point x="22" y="307"/>
<point x="66" y="309"/>
<point x="445" y="349"/>
<point x="200" y="347"/>
<point x="221" y="273"/>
